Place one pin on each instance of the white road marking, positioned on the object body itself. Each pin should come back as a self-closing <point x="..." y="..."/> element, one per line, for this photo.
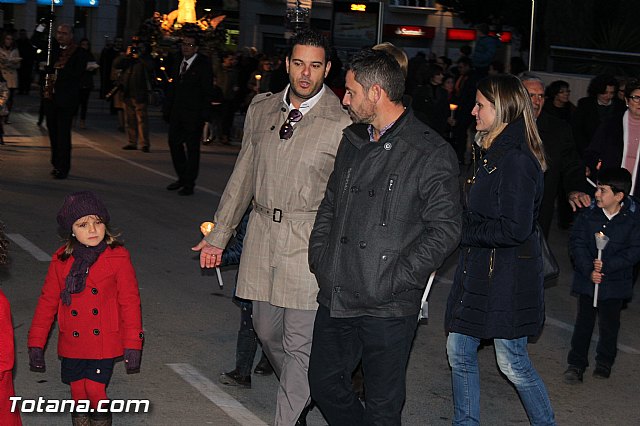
<point x="594" y="337"/>
<point x="78" y="138"/>
<point x="29" y="247"/>
<point x="213" y="393"/>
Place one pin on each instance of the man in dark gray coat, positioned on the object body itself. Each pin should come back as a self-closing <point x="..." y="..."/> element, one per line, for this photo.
<point x="389" y="218"/>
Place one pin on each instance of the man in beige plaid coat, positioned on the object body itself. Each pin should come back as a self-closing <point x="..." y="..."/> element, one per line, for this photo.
<point x="289" y="146"/>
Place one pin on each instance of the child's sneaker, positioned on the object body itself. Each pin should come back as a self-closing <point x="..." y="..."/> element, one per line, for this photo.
<point x="573" y="375"/>
<point x="601" y="371"/>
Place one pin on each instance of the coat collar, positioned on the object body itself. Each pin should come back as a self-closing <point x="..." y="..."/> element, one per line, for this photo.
<point x="324" y="108"/>
<point x="358" y="134"/>
<point x="512" y="137"/>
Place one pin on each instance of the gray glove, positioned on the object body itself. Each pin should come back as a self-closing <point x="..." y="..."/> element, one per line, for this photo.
<point x="36" y="360"/>
<point x="132" y="359"/>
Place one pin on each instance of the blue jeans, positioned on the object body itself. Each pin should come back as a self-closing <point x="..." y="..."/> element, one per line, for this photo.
<point x="513" y="361"/>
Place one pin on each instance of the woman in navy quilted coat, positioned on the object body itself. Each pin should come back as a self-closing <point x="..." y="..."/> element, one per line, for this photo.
<point x="498" y="290"/>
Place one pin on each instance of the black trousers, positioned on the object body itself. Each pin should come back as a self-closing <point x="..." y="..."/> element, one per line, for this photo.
<point x="184" y="144"/>
<point x="383" y="345"/>
<point x="59" y="124"/>
<point x="608" y="313"/>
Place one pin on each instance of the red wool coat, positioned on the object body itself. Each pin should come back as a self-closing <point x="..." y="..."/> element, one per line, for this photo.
<point x="7" y="418"/>
<point x="102" y="320"/>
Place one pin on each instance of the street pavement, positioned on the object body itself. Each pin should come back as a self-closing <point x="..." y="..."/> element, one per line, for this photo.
<point x="191" y="323"/>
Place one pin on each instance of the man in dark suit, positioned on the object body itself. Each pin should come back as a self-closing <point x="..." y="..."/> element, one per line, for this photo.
<point x="598" y="107"/>
<point x="188" y="105"/>
<point x="563" y="161"/>
<point x="62" y="99"/>
<point x="465" y="92"/>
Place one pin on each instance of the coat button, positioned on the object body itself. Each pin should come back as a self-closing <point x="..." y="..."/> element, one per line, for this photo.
<point x="344" y="240"/>
<point x="336" y="289"/>
<point x="94" y="290"/>
<point x="283" y="109"/>
<point x="387" y="146"/>
<point x="76" y="334"/>
<point x="96" y="331"/>
<point x="355" y="189"/>
<point x="372" y="193"/>
<point x="74" y="313"/>
<point x="273" y="128"/>
<point x="362" y="244"/>
<point x="356" y="294"/>
<point x="94" y="311"/>
<point x="384" y="257"/>
<point x="141" y="335"/>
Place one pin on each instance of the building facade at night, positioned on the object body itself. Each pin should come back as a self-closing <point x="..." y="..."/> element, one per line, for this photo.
<point x="414" y="25"/>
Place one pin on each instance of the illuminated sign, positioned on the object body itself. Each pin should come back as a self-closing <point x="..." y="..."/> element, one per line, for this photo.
<point x="358" y="7"/>
<point x="461" y="34"/>
<point x="504" y="36"/>
<point x="48" y="2"/>
<point x="87" y="3"/>
<point x="409" y="31"/>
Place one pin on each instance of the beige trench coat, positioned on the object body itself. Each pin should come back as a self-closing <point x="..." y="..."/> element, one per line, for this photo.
<point x="9" y="64"/>
<point x="289" y="175"/>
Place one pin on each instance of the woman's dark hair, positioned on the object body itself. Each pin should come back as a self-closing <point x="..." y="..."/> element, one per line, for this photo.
<point x="632" y="84"/>
<point x="554" y="88"/>
<point x="599" y="83"/>
<point x="619" y="179"/>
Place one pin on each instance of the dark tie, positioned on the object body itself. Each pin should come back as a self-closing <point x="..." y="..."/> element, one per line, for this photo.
<point x="184" y="67"/>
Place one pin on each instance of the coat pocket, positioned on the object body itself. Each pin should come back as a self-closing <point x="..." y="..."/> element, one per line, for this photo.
<point x="384" y="283"/>
<point x="387" y="203"/>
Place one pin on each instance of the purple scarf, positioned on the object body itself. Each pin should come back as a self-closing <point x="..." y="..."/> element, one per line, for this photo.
<point x="83" y="258"/>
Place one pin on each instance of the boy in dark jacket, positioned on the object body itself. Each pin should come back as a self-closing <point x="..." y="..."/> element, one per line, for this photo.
<point x="616" y="215"/>
<point x="247" y="343"/>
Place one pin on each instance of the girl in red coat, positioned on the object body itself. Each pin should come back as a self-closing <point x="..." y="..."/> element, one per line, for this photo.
<point x="7" y="355"/>
<point x="92" y="287"/>
<point x="7" y="418"/>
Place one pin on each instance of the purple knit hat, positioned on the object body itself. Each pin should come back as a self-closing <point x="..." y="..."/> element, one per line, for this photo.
<point x="80" y="204"/>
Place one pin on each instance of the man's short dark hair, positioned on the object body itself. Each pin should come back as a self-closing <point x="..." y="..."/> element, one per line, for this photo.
<point x="311" y="38"/>
<point x="371" y="67"/>
<point x="599" y="83"/>
<point x="619" y="179"/>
